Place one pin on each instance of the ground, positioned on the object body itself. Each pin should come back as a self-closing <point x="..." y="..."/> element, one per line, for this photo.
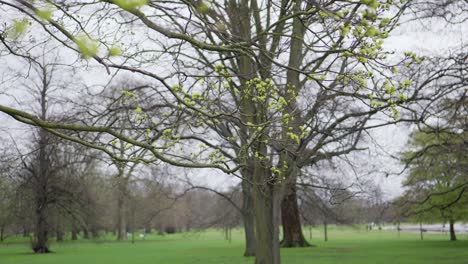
<point x="345" y="245"/>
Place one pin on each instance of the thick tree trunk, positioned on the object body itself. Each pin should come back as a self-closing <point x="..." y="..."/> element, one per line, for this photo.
<point x="453" y="237"/>
<point x="41" y="232"/>
<point x="292" y="229"/>
<point x="41" y="189"/>
<point x="248" y="215"/>
<point x="266" y="206"/>
<point x="74" y="235"/>
<point x="40" y="243"/>
<point x="290" y="219"/>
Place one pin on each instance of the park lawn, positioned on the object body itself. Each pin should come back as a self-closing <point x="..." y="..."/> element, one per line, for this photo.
<point x="345" y="245"/>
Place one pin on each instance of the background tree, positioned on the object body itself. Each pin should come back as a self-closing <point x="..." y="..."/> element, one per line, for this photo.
<point x="437" y="180"/>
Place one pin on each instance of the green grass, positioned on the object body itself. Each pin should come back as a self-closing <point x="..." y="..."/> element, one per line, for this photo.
<point x="345" y="245"/>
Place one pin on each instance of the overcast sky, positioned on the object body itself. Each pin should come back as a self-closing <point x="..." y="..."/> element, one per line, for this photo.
<point x="431" y="36"/>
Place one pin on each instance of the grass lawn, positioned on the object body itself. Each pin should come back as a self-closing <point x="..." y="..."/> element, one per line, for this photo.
<point x="345" y="245"/>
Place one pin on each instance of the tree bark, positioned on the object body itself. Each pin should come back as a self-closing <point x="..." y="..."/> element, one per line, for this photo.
<point x="453" y="237"/>
<point x="85" y="233"/>
<point x="42" y="176"/>
<point x="41" y="193"/>
<point x="421" y="230"/>
<point x="266" y="206"/>
<point x="59" y="235"/>
<point x="25" y="231"/>
<point x="325" y="231"/>
<point x="94" y="232"/>
<point x="248" y="215"/>
<point x="40" y="244"/>
<point x="121" y="221"/>
<point x="74" y="235"/>
<point x="121" y="204"/>
<point x="2" y="232"/>
<point x="292" y="229"/>
<point x="290" y="219"/>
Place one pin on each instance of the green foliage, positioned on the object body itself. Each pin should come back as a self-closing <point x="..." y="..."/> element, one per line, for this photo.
<point x="18" y="28"/>
<point x="203" y="8"/>
<point x="371" y="3"/>
<point x="45" y="13"/>
<point x="87" y="46"/>
<point x="129" y="5"/>
<point x="115" y="51"/>
<point x="438" y="173"/>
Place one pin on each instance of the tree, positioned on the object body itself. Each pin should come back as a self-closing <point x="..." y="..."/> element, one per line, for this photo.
<point x="279" y="84"/>
<point x="437" y="182"/>
<point x="7" y="188"/>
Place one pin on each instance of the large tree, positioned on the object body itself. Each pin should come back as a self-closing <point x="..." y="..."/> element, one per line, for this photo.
<point x="276" y="85"/>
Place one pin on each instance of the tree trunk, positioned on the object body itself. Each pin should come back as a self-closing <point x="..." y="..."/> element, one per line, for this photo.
<point x="74" y="235"/>
<point x="121" y="216"/>
<point x="248" y="215"/>
<point x="41" y="191"/>
<point x="40" y="243"/>
<point x="421" y="230"/>
<point x="325" y="231"/>
<point x="2" y="232"/>
<point x="59" y="235"/>
<point x="290" y="218"/>
<point x="453" y="237"/>
<point x="94" y="232"/>
<point x="148" y="229"/>
<point x="266" y="206"/>
<point x="121" y="223"/>
<point x="85" y="233"/>
<point x="292" y="229"/>
<point x="25" y="231"/>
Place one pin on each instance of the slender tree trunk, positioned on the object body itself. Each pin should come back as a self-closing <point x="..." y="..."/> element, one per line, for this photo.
<point x="325" y="231"/>
<point x="148" y="229"/>
<point x="310" y="232"/>
<point x="399" y="229"/>
<point x="25" y="231"/>
<point x="2" y="232"/>
<point x="421" y="230"/>
<point x="74" y="235"/>
<point x="94" y="232"/>
<point x="266" y="206"/>
<point x="453" y="237"/>
<point x="121" y="221"/>
<point x="59" y="235"/>
<point x="290" y="219"/>
<point x="121" y="204"/>
<point x="85" y="233"/>
<point x="248" y="215"/>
